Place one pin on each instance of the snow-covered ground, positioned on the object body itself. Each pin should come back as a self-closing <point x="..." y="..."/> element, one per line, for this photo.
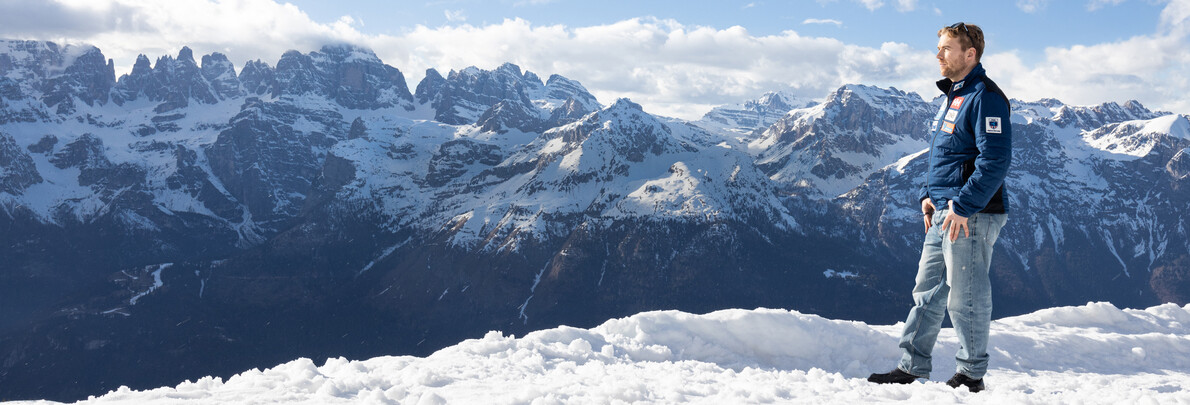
<point x="1090" y="354"/>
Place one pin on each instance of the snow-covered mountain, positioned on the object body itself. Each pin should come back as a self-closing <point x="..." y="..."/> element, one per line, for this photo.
<point x="833" y="147"/>
<point x="1107" y="356"/>
<point x="187" y="213"/>
<point x="746" y="120"/>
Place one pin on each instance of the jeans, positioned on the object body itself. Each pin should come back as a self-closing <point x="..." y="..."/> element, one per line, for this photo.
<point x="953" y="277"/>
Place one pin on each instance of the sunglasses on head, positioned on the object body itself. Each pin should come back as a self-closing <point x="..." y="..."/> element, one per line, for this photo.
<point x="963" y="26"/>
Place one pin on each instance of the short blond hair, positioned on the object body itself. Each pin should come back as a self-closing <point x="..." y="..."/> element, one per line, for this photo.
<point x="969" y="36"/>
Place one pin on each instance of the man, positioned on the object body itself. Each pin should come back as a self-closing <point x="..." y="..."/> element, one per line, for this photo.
<point x="970" y="150"/>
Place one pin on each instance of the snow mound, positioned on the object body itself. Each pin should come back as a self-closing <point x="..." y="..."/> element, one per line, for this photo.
<point x="1095" y="353"/>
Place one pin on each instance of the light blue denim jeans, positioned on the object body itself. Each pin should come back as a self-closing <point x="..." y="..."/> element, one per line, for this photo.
<point x="953" y="277"/>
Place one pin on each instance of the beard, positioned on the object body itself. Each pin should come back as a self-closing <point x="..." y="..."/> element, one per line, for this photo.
<point x="951" y="68"/>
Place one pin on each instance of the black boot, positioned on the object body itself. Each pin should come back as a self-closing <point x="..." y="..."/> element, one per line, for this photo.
<point x="961" y="379"/>
<point x="893" y="377"/>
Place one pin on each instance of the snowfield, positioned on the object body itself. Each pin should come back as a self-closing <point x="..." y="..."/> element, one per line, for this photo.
<point x="1092" y="354"/>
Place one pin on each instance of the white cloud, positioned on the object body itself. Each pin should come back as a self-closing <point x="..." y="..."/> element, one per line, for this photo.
<point x="1098" y="4"/>
<point x="1148" y="68"/>
<point x="906" y="5"/>
<point x="122" y="29"/>
<point x="822" y="21"/>
<point x="455" y="15"/>
<point x="1031" y="6"/>
<point x="1174" y="19"/>
<point x="872" y="5"/>
<point x="668" y="67"/>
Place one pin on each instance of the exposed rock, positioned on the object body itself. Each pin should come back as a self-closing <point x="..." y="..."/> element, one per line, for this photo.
<point x="17" y="171"/>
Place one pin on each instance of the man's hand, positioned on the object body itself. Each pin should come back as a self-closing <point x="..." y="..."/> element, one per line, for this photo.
<point x="927" y="208"/>
<point x="954" y="222"/>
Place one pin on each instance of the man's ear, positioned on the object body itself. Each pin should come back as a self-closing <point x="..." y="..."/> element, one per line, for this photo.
<point x="971" y="53"/>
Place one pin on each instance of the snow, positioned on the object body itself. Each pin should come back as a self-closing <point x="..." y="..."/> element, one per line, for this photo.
<point x="901" y="163"/>
<point x="1130" y="140"/>
<point x="157" y="283"/>
<point x="840" y="274"/>
<point x="1091" y="354"/>
<point x="383" y="255"/>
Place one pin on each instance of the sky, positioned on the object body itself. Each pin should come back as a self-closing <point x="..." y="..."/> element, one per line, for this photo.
<point x="676" y="58"/>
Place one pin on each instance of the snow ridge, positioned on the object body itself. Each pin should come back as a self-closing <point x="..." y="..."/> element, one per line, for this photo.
<point x="1095" y="354"/>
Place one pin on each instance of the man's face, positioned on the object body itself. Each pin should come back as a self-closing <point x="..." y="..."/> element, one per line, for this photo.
<point x="952" y="60"/>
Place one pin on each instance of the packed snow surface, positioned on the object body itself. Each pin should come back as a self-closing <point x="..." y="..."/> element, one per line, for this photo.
<point x="1093" y="354"/>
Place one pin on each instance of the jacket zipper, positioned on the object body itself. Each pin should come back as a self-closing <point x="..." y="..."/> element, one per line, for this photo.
<point x="933" y="138"/>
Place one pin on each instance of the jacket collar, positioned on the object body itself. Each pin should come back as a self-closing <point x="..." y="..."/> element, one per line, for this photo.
<point x="947" y="86"/>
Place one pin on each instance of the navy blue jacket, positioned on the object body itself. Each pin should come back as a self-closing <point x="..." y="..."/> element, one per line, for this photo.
<point x="970" y="147"/>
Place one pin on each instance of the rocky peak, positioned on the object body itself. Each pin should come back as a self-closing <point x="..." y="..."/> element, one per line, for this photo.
<point x="1088" y="118"/>
<point x="363" y="81"/>
<point x="504" y="83"/>
<point x="60" y="74"/>
<point x="296" y="75"/>
<point x="17" y="170"/>
<point x="624" y="128"/>
<point x="866" y="108"/>
<point x="889" y="99"/>
<point x="258" y="78"/>
<point x="132" y="85"/>
<point x="466" y="94"/>
<point x="532" y="78"/>
<point x="89" y="78"/>
<point x="770" y="102"/>
<point x="186" y="56"/>
<point x="430" y="86"/>
<point x="831" y="148"/>
<point x="350" y="75"/>
<point x="512" y="69"/>
<point x="344" y="53"/>
<point x="561" y="88"/>
<point x="1032" y="110"/>
<point x="625" y="105"/>
<point x="752" y="116"/>
<point x="29" y="61"/>
<point x="142" y="67"/>
<point x="358" y="129"/>
<point x="1139" y="138"/>
<point x="463" y="96"/>
<point x="570" y="111"/>
<point x="1135" y="108"/>
<point x="85" y="152"/>
<point x="171" y="81"/>
<point x="221" y="74"/>
<point x="510" y="114"/>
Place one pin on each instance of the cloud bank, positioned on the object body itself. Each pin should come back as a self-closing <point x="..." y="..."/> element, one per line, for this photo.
<point x="670" y="68"/>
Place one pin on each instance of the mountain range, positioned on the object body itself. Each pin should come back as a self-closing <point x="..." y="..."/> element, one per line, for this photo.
<point x="188" y="219"/>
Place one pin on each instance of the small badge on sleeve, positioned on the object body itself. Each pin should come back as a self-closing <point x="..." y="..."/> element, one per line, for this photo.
<point x="992" y="125"/>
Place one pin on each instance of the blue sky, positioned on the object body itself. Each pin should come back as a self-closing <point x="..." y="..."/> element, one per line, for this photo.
<point x="676" y="58"/>
<point x="1028" y="26"/>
